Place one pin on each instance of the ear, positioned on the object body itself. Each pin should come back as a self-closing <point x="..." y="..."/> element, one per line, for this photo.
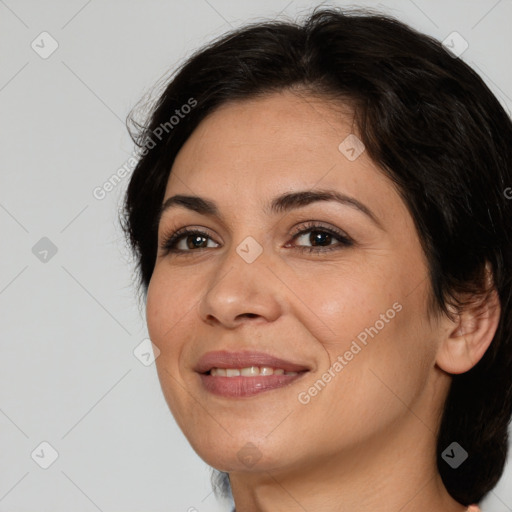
<point x="470" y="335"/>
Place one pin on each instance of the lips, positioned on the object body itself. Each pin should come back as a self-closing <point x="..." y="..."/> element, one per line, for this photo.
<point x="242" y="386"/>
<point x="225" y="359"/>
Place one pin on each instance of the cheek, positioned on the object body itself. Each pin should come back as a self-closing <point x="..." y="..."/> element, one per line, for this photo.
<point x="379" y="330"/>
<point x="155" y="306"/>
<point x="341" y="304"/>
<point x="396" y="357"/>
<point x="366" y="387"/>
<point x="166" y="308"/>
<point x="166" y="318"/>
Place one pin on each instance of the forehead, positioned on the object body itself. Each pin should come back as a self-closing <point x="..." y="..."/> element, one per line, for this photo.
<point x="253" y="149"/>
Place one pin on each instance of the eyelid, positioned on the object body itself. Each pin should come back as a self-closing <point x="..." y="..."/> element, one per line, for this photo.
<point x="171" y="234"/>
<point x="169" y="241"/>
<point x="311" y="225"/>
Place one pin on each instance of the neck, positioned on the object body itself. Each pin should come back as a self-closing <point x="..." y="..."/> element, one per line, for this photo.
<point x="393" y="471"/>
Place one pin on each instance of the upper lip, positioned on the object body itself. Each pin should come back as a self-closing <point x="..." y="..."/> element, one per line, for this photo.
<point x="225" y="359"/>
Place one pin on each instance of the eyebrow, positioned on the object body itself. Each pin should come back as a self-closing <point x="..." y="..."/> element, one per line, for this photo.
<point x="280" y="204"/>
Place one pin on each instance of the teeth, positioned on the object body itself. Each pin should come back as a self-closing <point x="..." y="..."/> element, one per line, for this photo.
<point x="250" y="371"/>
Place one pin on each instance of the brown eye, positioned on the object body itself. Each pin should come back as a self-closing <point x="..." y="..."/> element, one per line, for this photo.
<point x="193" y="239"/>
<point x="321" y="238"/>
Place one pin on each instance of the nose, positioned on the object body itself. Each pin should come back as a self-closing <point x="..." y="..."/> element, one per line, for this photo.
<point x="239" y="290"/>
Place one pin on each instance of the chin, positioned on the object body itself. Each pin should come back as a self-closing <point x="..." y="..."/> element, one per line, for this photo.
<point x="243" y="453"/>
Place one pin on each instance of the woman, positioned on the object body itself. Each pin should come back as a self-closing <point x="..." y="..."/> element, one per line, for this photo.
<point x="323" y="239"/>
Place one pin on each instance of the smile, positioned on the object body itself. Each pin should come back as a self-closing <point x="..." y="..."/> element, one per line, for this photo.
<point x="250" y="371"/>
<point x="238" y="386"/>
<point x="246" y="373"/>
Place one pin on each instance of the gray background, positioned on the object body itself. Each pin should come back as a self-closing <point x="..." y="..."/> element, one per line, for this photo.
<point x="70" y="320"/>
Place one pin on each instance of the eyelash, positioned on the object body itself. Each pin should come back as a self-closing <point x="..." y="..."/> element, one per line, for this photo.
<point x="170" y="241"/>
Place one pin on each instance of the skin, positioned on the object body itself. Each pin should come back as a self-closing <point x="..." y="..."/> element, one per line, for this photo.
<point x="367" y="440"/>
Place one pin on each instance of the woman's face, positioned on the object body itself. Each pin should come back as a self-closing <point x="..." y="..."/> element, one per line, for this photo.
<point x="345" y="300"/>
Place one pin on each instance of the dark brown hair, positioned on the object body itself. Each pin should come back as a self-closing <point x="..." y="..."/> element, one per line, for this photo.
<point x="432" y="126"/>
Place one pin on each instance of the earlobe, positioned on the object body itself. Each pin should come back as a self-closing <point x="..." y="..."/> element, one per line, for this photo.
<point x="467" y="341"/>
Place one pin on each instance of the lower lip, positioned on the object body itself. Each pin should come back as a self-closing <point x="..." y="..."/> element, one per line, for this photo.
<point x="236" y="387"/>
